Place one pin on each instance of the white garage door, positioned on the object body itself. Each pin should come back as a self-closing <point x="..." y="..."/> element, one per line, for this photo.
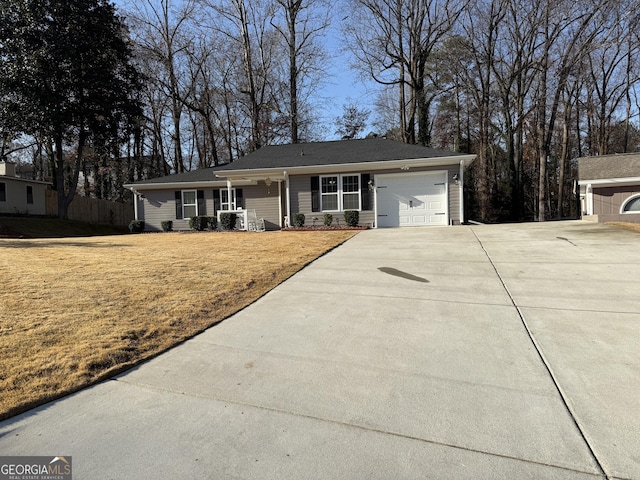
<point x="411" y="200"/>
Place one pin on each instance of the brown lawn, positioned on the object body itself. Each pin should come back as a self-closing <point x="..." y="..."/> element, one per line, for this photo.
<point x="75" y="311"/>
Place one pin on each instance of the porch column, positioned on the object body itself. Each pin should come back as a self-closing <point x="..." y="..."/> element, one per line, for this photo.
<point x="280" y="203"/>
<point x="461" y="186"/>
<point x="135" y="205"/>
<point x="288" y="193"/>
<point x="229" y="194"/>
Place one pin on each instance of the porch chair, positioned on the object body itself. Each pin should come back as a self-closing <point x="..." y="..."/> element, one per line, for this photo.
<point x="253" y="223"/>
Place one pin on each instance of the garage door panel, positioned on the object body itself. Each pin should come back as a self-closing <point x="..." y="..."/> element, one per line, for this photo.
<point x="412" y="200"/>
<point x="438" y="219"/>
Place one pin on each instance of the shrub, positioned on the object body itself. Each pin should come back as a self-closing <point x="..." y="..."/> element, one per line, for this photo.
<point x="298" y="219"/>
<point x="328" y="219"/>
<point x="212" y="223"/>
<point x="198" y="223"/>
<point x="167" y="226"/>
<point x="136" y="226"/>
<point x="352" y="217"/>
<point x="228" y="220"/>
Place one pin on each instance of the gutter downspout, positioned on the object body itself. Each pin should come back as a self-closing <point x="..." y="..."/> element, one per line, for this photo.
<point x="461" y="186"/>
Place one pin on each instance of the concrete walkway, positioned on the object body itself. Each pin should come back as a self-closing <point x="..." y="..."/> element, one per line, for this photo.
<point x="483" y="352"/>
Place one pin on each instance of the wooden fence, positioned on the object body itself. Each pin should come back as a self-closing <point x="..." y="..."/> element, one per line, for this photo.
<point x="92" y="210"/>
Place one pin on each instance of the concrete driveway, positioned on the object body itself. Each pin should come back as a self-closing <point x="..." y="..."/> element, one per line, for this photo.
<point x="508" y="351"/>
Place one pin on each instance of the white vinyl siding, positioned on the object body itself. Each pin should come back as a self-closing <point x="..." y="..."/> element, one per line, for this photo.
<point x="22" y="196"/>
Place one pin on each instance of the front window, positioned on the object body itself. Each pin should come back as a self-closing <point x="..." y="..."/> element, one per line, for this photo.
<point x="3" y="192"/>
<point x="632" y="205"/>
<point x="340" y="192"/>
<point x="29" y="194"/>
<point x="189" y="204"/>
<point x="224" y="199"/>
<point x="351" y="192"/>
<point x="329" y="189"/>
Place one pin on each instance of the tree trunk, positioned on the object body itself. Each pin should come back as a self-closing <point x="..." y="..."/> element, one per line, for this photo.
<point x="65" y="198"/>
<point x="293" y="8"/>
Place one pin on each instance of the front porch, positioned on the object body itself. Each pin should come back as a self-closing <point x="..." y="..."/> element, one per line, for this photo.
<point x="246" y="220"/>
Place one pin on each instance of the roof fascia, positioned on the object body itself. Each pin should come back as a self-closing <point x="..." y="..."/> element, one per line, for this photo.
<point x="181" y="185"/>
<point x="606" y="182"/>
<point x="22" y="180"/>
<point x="277" y="172"/>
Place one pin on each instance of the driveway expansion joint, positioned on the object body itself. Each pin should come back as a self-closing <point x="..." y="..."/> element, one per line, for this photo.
<point x="546" y="364"/>
<point x="359" y="427"/>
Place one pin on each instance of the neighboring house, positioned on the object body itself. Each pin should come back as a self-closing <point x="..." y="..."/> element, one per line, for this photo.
<point x="610" y="187"/>
<point x="20" y="196"/>
<point x="391" y="184"/>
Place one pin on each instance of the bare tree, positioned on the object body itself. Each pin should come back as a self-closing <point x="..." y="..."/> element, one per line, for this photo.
<point x="163" y="32"/>
<point x="481" y="26"/>
<point x="568" y="30"/>
<point x="352" y="122"/>
<point x="303" y="23"/>
<point x="610" y="73"/>
<point x="247" y="25"/>
<point x="393" y="41"/>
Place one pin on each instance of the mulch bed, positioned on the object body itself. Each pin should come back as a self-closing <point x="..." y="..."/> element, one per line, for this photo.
<point x="312" y="228"/>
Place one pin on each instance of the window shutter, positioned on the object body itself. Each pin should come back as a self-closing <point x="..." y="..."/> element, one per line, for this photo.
<point x="239" y="199"/>
<point x="365" y="194"/>
<point x="178" y="197"/>
<point x="216" y="201"/>
<point x="202" y="204"/>
<point x="315" y="194"/>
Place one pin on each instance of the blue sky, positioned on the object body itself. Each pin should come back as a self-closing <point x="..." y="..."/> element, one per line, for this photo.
<point x="343" y="84"/>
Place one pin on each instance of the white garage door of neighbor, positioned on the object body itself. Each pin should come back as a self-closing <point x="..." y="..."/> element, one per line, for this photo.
<point x="412" y="200"/>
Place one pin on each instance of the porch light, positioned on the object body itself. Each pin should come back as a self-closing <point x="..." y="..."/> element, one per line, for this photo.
<point x="456" y="179"/>
<point x="268" y="181"/>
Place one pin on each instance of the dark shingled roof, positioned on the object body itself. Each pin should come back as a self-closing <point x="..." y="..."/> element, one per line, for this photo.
<point x="333" y="153"/>
<point x="310" y="154"/>
<point x="609" y="166"/>
<point x="200" y="175"/>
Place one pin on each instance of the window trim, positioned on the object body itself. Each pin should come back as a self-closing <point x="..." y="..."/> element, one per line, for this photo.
<point x="185" y="204"/>
<point x="336" y="193"/>
<point x="357" y="191"/>
<point x="627" y="202"/>
<point x="340" y="191"/>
